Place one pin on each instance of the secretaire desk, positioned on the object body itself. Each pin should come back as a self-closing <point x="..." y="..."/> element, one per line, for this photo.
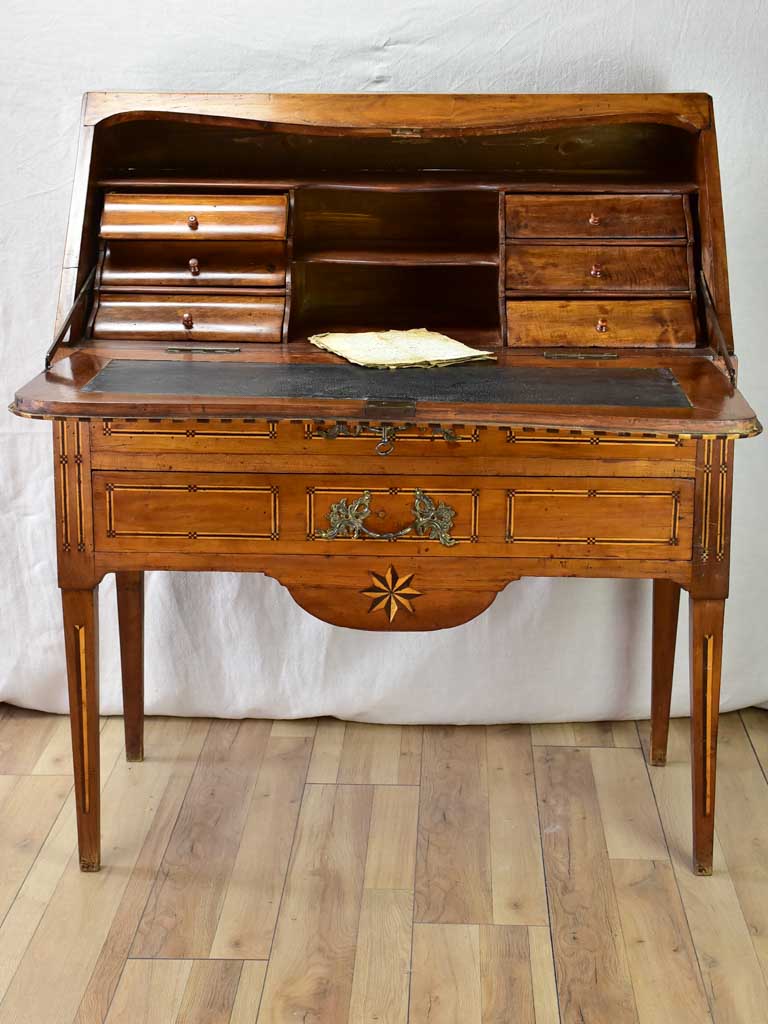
<point x="195" y="428"/>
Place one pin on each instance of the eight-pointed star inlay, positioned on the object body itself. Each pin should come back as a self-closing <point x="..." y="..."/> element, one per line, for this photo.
<point x="391" y="592"/>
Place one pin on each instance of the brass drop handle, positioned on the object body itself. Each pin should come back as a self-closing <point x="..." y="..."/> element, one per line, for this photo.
<point x="187" y="321"/>
<point x="596" y="270"/>
<point x="594" y="220"/>
<point x="431" y="520"/>
<point x="601" y="326"/>
<point x="193" y="222"/>
<point x="194" y="267"/>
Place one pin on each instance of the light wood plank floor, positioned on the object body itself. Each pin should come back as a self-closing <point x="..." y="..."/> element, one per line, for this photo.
<point x="317" y="872"/>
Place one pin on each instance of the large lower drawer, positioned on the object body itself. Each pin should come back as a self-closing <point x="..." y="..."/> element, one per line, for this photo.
<point x="636" y="323"/>
<point x="193" y="264"/>
<point x="588" y="268"/>
<point x="296" y="513"/>
<point x="223" y="318"/>
<point x="595" y="216"/>
<point x="129" y="215"/>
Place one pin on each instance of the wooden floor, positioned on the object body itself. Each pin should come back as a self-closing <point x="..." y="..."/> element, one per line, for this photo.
<point x="321" y="873"/>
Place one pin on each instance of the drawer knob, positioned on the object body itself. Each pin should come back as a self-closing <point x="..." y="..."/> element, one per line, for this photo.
<point x="596" y="270"/>
<point x="193" y="222"/>
<point x="601" y="326"/>
<point x="187" y="321"/>
<point x="194" y="267"/>
<point x="594" y="220"/>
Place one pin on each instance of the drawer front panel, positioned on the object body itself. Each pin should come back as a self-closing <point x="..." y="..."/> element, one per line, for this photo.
<point x="639" y="268"/>
<point x="642" y="323"/>
<point x="223" y="318"/>
<point x="550" y="516"/>
<point x="326" y="513"/>
<point x="213" y="444"/>
<point x="191" y="264"/>
<point x="184" y="511"/>
<point x="127" y="215"/>
<point x="595" y="216"/>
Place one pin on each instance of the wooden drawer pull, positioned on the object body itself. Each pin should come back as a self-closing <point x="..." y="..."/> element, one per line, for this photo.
<point x="602" y="325"/>
<point x="194" y="267"/>
<point x="596" y="270"/>
<point x="193" y="222"/>
<point x="187" y="321"/>
<point x="594" y="220"/>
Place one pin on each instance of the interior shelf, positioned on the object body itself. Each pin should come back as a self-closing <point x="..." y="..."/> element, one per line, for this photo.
<point x="402" y="256"/>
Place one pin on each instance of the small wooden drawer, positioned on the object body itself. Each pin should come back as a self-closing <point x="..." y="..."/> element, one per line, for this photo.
<point x="184" y="511"/>
<point x="641" y="323"/>
<point x="216" y="438"/>
<point x="140" y="264"/>
<point x="595" y="216"/>
<point x="626" y="268"/>
<point x="127" y="215"/>
<point x="607" y="518"/>
<point x="221" y="318"/>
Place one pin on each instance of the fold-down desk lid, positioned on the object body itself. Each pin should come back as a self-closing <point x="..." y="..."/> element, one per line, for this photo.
<point x="689" y="397"/>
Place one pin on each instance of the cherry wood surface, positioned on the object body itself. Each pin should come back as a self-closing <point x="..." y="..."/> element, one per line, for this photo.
<point x="552" y="231"/>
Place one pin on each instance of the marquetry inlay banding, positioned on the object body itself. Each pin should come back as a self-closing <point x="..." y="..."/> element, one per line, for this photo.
<point x="112" y="428"/>
<point x="79" y="487"/>
<point x="63" y="460"/>
<point x="581" y="437"/>
<point x="707" y="697"/>
<point x="82" y="689"/>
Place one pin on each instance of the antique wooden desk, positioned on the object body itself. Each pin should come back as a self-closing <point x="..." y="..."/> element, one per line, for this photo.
<point x="194" y="427"/>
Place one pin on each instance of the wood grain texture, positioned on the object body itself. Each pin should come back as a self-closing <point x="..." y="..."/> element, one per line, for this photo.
<point x="380" y="984"/>
<point x="107" y="971"/>
<point x="734" y="982"/>
<point x="246" y="924"/>
<point x="605" y="323"/>
<point x="391" y="859"/>
<point x="665" y="973"/>
<point x="222" y="217"/>
<point x="693" y="946"/>
<point x="627" y="808"/>
<point x="742" y="827"/>
<point x="327" y="751"/>
<point x="183" y="909"/>
<point x="29" y="806"/>
<point x="254" y="318"/>
<point x="592" y="968"/>
<point x="312" y="963"/>
<point x="596" y="216"/>
<point x="370" y="755"/>
<point x="445" y="985"/>
<point x="78" y="915"/>
<point x="517" y="874"/>
<point x="596" y="269"/>
<point x="36" y="892"/>
<point x="453" y="866"/>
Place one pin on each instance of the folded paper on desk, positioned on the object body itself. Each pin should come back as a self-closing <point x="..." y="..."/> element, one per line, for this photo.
<point x="418" y="347"/>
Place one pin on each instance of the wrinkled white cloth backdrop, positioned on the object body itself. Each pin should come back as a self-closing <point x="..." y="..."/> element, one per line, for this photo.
<point x="232" y="645"/>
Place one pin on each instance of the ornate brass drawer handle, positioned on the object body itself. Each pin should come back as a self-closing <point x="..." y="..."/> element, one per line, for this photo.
<point x="434" y="522"/>
<point x="388" y="434"/>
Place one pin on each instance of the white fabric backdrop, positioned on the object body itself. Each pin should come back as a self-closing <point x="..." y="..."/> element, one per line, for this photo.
<point x="237" y="645"/>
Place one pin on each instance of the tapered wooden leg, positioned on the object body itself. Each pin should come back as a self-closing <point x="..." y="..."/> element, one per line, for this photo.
<point x="706" y="624"/>
<point x="130" y="613"/>
<point x="81" y="628"/>
<point x="666" y="603"/>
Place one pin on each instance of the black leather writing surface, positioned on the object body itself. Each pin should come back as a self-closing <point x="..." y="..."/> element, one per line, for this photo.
<point x="471" y="383"/>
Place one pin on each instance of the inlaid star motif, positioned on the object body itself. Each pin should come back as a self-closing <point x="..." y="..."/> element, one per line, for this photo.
<point x="390" y="592"/>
